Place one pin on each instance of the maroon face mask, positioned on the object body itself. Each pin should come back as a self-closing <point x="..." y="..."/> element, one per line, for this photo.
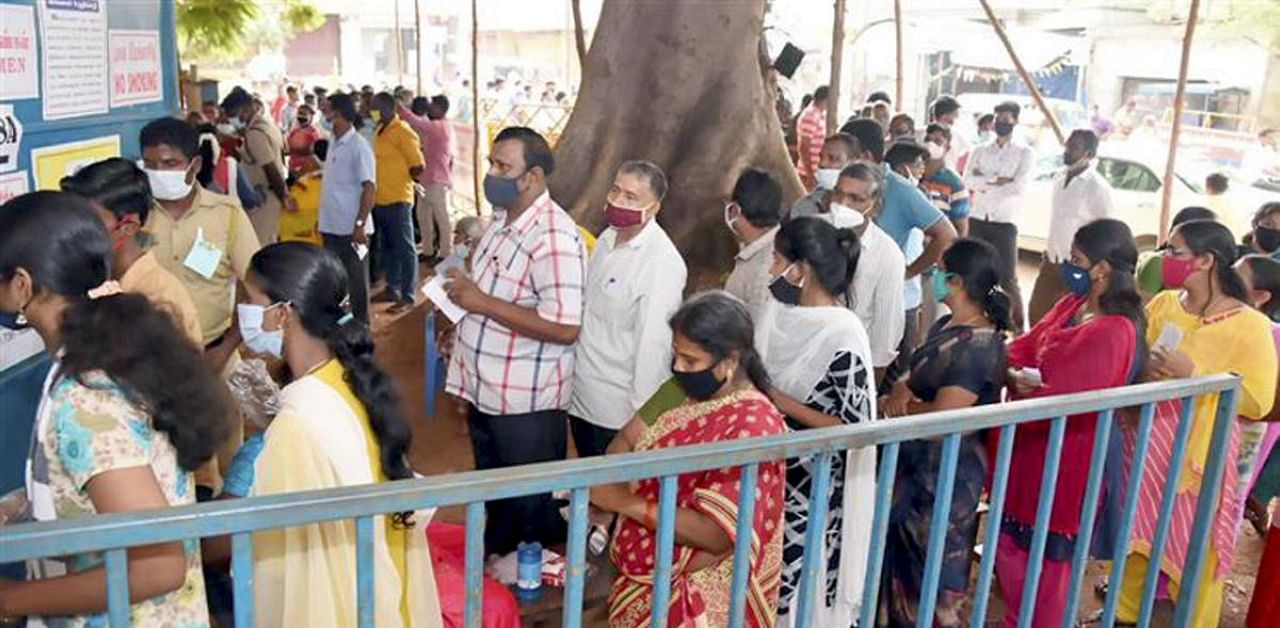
<point x="622" y="217"/>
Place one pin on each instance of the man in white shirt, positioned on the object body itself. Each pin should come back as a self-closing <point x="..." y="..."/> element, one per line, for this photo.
<point x="753" y="214"/>
<point x="1261" y="163"/>
<point x="1080" y="196"/>
<point x="635" y="281"/>
<point x="996" y="177"/>
<point x="877" y="290"/>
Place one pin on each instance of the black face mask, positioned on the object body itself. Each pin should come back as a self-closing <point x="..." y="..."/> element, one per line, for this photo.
<point x="699" y="385"/>
<point x="784" y="291"/>
<point x="1268" y="239"/>
<point x="1004" y="129"/>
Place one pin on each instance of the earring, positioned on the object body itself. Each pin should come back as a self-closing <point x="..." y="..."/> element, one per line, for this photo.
<point x="21" y="318"/>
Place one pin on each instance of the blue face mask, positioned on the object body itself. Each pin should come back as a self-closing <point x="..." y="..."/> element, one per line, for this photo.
<point x="939" y="285"/>
<point x="257" y="339"/>
<point x="501" y="191"/>
<point x="1076" y="279"/>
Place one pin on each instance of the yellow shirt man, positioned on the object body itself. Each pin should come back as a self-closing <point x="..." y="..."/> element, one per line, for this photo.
<point x="218" y="222"/>
<point x="396" y="149"/>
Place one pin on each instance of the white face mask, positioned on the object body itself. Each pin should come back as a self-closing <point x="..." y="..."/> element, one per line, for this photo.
<point x="257" y="339"/>
<point x="845" y="217"/>
<point x="168" y="185"/>
<point x="936" y="151"/>
<point x="226" y="129"/>
<point x="827" y="178"/>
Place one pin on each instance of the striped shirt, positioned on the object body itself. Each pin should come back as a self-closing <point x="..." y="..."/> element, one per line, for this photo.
<point x="537" y="262"/>
<point x="812" y="125"/>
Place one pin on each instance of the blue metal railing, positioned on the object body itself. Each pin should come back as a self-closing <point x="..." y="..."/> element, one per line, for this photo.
<point x="239" y="518"/>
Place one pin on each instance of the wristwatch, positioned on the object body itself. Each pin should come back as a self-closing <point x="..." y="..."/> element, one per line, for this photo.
<point x="359" y="222"/>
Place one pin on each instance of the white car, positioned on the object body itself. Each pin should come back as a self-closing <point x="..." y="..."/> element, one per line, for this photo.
<point x="1136" y="197"/>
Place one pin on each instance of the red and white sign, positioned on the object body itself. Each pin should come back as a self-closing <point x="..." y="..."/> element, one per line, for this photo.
<point x="19" y="74"/>
<point x="135" y="67"/>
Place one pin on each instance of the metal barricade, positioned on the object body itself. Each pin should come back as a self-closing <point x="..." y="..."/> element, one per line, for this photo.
<point x="113" y="534"/>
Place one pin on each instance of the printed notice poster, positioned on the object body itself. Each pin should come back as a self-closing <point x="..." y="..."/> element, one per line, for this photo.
<point x="51" y="163"/>
<point x="18" y="73"/>
<point x="10" y="138"/>
<point x="13" y="184"/>
<point x="135" y="67"/>
<point x="73" y="34"/>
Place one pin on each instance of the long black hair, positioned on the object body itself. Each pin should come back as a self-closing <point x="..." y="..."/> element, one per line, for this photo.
<point x="1111" y="241"/>
<point x="719" y="323"/>
<point x="975" y="263"/>
<point x="1213" y="238"/>
<point x="59" y="240"/>
<point x="831" y="253"/>
<point x="313" y="282"/>
<point x="1265" y="271"/>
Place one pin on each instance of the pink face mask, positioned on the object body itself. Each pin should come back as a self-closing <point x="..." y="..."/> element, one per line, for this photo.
<point x="622" y="217"/>
<point x="1176" y="271"/>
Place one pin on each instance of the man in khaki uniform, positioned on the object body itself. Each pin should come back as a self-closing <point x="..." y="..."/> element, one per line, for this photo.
<point x="262" y="155"/>
<point x="202" y="238"/>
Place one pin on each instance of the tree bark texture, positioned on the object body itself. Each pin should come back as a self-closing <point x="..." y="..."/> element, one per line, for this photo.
<point x="680" y="83"/>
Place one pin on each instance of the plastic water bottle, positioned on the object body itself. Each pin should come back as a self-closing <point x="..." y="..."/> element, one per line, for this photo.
<point x="529" y="571"/>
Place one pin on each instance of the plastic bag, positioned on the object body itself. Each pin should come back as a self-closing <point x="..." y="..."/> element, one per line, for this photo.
<point x="13" y="506"/>
<point x="448" y="555"/>
<point x="255" y="392"/>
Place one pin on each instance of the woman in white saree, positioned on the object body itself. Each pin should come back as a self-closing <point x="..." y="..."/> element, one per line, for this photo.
<point x="819" y="358"/>
<point x="339" y="425"/>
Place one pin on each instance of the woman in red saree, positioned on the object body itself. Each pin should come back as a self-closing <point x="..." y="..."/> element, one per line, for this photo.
<point x="718" y="369"/>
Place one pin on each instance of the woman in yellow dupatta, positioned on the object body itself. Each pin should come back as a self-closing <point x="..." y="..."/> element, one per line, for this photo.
<point x="717" y="367"/>
<point x="339" y="425"/>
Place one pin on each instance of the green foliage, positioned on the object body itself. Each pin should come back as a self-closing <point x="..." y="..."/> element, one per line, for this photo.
<point x="224" y="30"/>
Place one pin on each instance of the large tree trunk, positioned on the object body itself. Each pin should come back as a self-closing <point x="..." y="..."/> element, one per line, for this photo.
<point x="680" y="83"/>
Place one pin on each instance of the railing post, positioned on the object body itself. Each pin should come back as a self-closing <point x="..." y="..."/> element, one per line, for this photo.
<point x="666" y="548"/>
<point x="475" y="565"/>
<point x="365" y="600"/>
<point x="1132" y="488"/>
<point x="242" y="578"/>
<point x="1000" y="482"/>
<point x="1168" y="500"/>
<point x="742" y="544"/>
<point x="576" y="564"/>
<point x="938" y="524"/>
<point x="118" y="607"/>
<point x="1040" y="534"/>
<point x="879" y="529"/>
<point x="814" y="536"/>
<point x="1089" y="513"/>
<point x="1206" y="511"/>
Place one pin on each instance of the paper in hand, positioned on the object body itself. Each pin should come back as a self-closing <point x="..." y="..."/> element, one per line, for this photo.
<point x="1170" y="337"/>
<point x="434" y="291"/>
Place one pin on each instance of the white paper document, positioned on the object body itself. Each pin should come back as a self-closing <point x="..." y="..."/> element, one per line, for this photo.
<point x="434" y="291"/>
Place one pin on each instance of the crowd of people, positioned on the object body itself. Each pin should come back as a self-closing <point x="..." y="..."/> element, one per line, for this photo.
<point x="889" y="290"/>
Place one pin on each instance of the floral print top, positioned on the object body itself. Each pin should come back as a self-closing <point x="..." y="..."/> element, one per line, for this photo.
<point x="93" y="428"/>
